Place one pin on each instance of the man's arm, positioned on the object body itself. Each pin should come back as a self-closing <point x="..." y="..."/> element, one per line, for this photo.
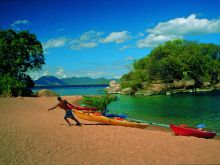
<point x="53" y="107"/>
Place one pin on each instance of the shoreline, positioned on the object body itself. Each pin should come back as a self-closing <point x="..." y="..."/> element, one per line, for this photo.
<point x="32" y="135"/>
<point x="170" y="92"/>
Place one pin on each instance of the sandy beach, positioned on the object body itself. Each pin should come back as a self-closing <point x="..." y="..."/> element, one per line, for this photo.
<point x="29" y="134"/>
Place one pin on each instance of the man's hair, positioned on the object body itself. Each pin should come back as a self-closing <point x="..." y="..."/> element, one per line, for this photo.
<point x="59" y="98"/>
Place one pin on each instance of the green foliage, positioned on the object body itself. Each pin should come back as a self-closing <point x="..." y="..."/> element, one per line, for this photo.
<point x="20" y="52"/>
<point x="13" y="87"/>
<point x="170" y="69"/>
<point x="100" y="102"/>
<point x="132" y="79"/>
<point x="176" y="60"/>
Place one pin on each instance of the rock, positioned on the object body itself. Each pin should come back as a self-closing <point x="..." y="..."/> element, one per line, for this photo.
<point x="217" y="86"/>
<point x="190" y="83"/>
<point x="168" y="93"/>
<point x="206" y="85"/>
<point x="114" y="87"/>
<point x="145" y="93"/>
<point x="178" y="84"/>
<point x="46" y="92"/>
<point x="157" y="87"/>
<point x="126" y="91"/>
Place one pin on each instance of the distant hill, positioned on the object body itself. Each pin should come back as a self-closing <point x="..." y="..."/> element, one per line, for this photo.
<point x="49" y="81"/>
<point x="85" y="81"/>
<point x="52" y="80"/>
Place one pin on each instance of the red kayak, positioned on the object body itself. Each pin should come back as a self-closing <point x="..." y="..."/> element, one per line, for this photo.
<point x="83" y="108"/>
<point x="187" y="131"/>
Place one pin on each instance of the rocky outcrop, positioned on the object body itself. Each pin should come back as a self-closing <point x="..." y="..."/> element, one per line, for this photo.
<point x="46" y="92"/>
<point x="114" y="87"/>
<point x="217" y="86"/>
<point x="206" y="85"/>
<point x="126" y="91"/>
<point x="145" y="93"/>
<point x="189" y="84"/>
<point x="157" y="87"/>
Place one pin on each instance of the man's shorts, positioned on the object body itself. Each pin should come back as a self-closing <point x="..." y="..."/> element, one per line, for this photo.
<point x="68" y="114"/>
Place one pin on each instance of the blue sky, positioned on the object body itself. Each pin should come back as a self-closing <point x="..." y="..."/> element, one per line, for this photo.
<point x="101" y="38"/>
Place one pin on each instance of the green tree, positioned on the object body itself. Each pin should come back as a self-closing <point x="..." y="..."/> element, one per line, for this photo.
<point x="133" y="79"/>
<point x="100" y="102"/>
<point x="170" y="69"/>
<point x="195" y="63"/>
<point x="176" y="60"/>
<point x="164" y="62"/>
<point x="20" y="52"/>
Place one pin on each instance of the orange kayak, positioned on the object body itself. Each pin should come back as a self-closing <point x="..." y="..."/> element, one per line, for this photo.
<point x="96" y="117"/>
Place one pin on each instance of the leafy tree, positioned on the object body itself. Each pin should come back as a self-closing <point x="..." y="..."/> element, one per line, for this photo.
<point x="195" y="63"/>
<point x="20" y="52"/>
<point x="100" y="102"/>
<point x="176" y="60"/>
<point x="133" y="79"/>
<point x="170" y="69"/>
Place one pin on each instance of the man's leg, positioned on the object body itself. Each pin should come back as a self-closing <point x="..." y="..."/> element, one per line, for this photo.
<point x="77" y="122"/>
<point x="67" y="121"/>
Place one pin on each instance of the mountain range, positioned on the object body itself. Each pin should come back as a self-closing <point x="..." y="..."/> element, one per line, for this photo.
<point x="54" y="81"/>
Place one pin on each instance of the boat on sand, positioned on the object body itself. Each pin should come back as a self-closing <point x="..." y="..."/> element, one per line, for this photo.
<point x="184" y="130"/>
<point x="97" y="117"/>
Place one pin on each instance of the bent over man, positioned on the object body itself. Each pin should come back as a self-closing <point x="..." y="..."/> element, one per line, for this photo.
<point x="63" y="104"/>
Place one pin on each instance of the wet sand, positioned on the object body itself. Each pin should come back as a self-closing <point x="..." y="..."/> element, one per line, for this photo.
<point x="29" y="134"/>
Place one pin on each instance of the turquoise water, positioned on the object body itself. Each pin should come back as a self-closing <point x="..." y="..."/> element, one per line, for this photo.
<point x="74" y="89"/>
<point x="190" y="109"/>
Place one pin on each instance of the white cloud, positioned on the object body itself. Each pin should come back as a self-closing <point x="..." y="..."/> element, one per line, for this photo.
<point x="61" y="73"/>
<point x="91" y="36"/>
<point x="46" y="52"/>
<point x="88" y="39"/>
<point x="95" y="74"/>
<point x="55" y="43"/>
<point x="129" y="58"/>
<point x="187" y="26"/>
<point x="124" y="47"/>
<point x="45" y="73"/>
<point x="15" y="24"/>
<point x="117" y="37"/>
<point x="81" y="45"/>
<point x="19" y="22"/>
<point x="117" y="77"/>
<point x="153" y="40"/>
<point x="178" y="28"/>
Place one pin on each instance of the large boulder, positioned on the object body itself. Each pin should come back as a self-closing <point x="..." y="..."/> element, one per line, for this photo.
<point x="190" y="84"/>
<point x="126" y="91"/>
<point x="179" y="84"/>
<point x="145" y="93"/>
<point x="114" y="87"/>
<point x="206" y="85"/>
<point x="157" y="88"/>
<point x="217" y="86"/>
<point x="46" y="92"/>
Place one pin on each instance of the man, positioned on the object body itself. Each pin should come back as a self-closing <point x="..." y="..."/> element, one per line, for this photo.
<point x="63" y="104"/>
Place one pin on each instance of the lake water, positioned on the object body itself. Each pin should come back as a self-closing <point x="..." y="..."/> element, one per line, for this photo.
<point x="74" y="89"/>
<point x="191" y="109"/>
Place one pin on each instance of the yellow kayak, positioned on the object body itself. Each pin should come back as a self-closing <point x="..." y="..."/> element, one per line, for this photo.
<point x="105" y="120"/>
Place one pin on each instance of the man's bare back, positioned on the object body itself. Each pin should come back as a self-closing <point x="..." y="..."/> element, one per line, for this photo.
<point x="64" y="105"/>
